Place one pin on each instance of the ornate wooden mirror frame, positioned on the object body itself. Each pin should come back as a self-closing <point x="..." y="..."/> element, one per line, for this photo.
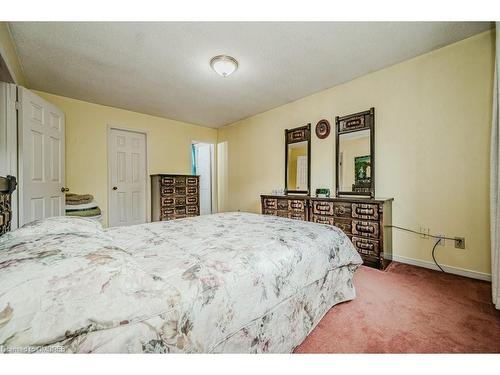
<point x="349" y="124"/>
<point x="300" y="134"/>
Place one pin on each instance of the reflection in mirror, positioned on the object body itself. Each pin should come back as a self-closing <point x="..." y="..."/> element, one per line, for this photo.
<point x="297" y="166"/>
<point x="355" y="162"/>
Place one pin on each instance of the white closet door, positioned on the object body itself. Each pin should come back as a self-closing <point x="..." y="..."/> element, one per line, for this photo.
<point x="127" y="178"/>
<point x="41" y="155"/>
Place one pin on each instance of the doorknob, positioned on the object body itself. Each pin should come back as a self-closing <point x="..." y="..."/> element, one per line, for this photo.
<point x="64" y="190"/>
<point x="115" y="188"/>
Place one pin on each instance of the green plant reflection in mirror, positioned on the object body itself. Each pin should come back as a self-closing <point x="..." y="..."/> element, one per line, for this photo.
<point x="354" y="161"/>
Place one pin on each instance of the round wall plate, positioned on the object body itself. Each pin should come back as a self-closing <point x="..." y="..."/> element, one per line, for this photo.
<point x="322" y="129"/>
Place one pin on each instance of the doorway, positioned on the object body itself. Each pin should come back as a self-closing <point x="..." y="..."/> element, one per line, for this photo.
<point x="127" y="175"/>
<point x="203" y="165"/>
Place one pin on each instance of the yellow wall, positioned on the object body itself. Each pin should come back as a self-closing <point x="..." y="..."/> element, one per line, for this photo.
<point x="9" y="55"/>
<point x="169" y="143"/>
<point x="433" y="116"/>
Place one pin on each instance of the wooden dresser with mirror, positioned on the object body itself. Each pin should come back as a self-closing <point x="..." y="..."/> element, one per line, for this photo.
<point x="366" y="220"/>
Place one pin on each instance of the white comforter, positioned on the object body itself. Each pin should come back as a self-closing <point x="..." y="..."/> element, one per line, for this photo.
<point x="233" y="282"/>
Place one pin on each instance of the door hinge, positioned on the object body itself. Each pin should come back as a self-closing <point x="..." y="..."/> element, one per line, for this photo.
<point x="18" y="105"/>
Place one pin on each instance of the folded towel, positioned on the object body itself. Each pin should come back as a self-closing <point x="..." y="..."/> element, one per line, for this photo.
<point x="85" y="213"/>
<point x="73" y="199"/>
<point x="84" y="206"/>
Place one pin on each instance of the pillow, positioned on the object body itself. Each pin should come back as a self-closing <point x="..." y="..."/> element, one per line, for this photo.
<point x="52" y="226"/>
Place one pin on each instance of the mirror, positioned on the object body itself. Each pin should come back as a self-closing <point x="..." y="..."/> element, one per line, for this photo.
<point x="355" y="151"/>
<point x="298" y="160"/>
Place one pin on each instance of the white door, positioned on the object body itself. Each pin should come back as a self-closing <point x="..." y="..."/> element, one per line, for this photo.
<point x="127" y="177"/>
<point x="203" y="163"/>
<point x="40" y="158"/>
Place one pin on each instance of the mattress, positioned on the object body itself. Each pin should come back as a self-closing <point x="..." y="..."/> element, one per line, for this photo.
<point x="232" y="282"/>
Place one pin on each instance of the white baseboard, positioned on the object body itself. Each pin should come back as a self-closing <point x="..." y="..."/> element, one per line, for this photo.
<point x="448" y="269"/>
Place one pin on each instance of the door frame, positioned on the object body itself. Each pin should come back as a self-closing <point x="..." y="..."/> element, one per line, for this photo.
<point x="213" y="173"/>
<point x="111" y="127"/>
<point x="8" y="148"/>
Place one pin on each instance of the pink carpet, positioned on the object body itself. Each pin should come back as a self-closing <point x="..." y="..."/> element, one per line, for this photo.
<point x="409" y="309"/>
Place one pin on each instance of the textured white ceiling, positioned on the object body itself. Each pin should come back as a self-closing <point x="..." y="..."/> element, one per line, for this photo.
<point x="163" y="68"/>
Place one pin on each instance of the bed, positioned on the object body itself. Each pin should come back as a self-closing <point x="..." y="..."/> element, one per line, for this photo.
<point x="222" y="283"/>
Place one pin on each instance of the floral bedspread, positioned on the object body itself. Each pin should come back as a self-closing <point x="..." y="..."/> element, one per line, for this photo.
<point x="205" y="284"/>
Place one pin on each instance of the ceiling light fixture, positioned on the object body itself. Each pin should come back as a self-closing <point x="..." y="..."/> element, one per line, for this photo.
<point x="224" y="65"/>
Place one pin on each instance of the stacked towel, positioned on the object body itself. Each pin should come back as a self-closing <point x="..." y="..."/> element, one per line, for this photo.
<point x="82" y="205"/>
<point x="74" y="199"/>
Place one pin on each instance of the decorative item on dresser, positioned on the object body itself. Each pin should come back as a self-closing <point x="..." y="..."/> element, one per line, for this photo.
<point x="174" y="196"/>
<point x="365" y="221"/>
<point x="7" y="186"/>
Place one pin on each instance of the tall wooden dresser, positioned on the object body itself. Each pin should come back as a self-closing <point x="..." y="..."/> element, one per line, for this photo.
<point x="367" y="222"/>
<point x="174" y="196"/>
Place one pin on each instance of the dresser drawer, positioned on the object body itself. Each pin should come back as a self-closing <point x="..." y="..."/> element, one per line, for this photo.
<point x="192" y="190"/>
<point x="192" y="210"/>
<point x="344" y="224"/>
<point x="296" y="215"/>
<point x="192" y="181"/>
<point x="365" y="211"/>
<point x="268" y="211"/>
<point x="365" y="229"/>
<point x="180" y="181"/>
<point x="366" y="246"/>
<point x="282" y="204"/>
<point x="296" y="205"/>
<point x="331" y="208"/>
<point x="167" y="211"/>
<point x="167" y="201"/>
<point x="322" y="208"/>
<point x="173" y="201"/>
<point x="168" y="181"/>
<point x="180" y="210"/>
<point x="270" y="203"/>
<point x="167" y="190"/>
<point x="192" y="200"/>
<point x="322" y="219"/>
<point x="282" y="214"/>
<point x="173" y="190"/>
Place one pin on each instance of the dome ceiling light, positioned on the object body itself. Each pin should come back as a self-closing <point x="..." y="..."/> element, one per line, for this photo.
<point x="224" y="65"/>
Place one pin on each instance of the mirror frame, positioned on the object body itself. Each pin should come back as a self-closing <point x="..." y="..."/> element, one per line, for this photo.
<point x="295" y="135"/>
<point x="349" y="124"/>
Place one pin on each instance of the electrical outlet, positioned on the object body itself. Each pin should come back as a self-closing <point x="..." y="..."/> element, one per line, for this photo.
<point x="440" y="240"/>
<point x="460" y="242"/>
<point x="424" y="232"/>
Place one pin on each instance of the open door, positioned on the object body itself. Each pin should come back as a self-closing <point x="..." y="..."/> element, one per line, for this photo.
<point x="41" y="155"/>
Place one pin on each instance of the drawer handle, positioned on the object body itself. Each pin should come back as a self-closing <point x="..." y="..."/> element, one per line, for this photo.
<point x="322" y="207"/>
<point x="362" y="245"/>
<point x="364" y="211"/>
<point x="340" y="210"/>
<point x="365" y="228"/>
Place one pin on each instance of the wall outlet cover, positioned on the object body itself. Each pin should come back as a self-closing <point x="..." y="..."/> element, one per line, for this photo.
<point x="460" y="242"/>
<point x="440" y="240"/>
